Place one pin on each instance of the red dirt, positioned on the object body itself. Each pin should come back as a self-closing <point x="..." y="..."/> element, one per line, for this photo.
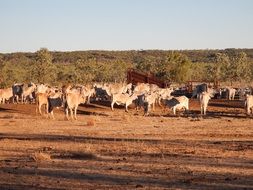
<point x="118" y="150"/>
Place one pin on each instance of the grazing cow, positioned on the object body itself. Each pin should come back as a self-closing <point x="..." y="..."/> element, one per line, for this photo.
<point x="177" y="103"/>
<point x="204" y="99"/>
<point x="199" y="89"/>
<point x="73" y="99"/>
<point x="249" y="104"/>
<point x="5" y="94"/>
<point x="123" y="99"/>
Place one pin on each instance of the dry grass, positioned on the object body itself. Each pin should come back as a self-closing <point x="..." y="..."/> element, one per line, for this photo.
<point x="91" y="122"/>
<point x="40" y="156"/>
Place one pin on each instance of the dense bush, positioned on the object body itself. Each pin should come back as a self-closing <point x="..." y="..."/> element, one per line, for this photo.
<point x="44" y="66"/>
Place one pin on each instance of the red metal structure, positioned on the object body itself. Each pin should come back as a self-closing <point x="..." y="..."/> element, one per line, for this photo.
<point x="135" y="77"/>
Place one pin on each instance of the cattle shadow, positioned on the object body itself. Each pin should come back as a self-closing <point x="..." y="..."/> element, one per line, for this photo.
<point x="227" y="104"/>
<point x="217" y="114"/>
<point x="59" y="138"/>
<point x="184" y="181"/>
<point x="83" y="112"/>
<point x="93" y="105"/>
<point x="195" y="114"/>
<point x="6" y="109"/>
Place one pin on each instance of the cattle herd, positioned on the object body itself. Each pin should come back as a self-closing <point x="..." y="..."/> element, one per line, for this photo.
<point x="145" y="96"/>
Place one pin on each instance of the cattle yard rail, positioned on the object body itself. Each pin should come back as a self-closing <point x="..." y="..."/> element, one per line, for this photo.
<point x="135" y="77"/>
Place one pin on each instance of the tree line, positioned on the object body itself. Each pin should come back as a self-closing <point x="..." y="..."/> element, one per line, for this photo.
<point x="81" y="67"/>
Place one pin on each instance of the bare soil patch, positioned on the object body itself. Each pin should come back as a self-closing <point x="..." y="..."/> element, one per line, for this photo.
<point x="119" y="150"/>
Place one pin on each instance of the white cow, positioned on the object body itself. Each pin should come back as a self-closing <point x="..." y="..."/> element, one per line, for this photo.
<point x="204" y="99"/>
<point x="123" y="99"/>
<point x="231" y="93"/>
<point x="249" y="104"/>
<point x="150" y="100"/>
<point x="73" y="99"/>
<point x="117" y="88"/>
<point x="164" y="93"/>
<point x="142" y="88"/>
<point x="27" y="92"/>
<point x="5" y="94"/>
<point x="41" y="99"/>
<point x="177" y="103"/>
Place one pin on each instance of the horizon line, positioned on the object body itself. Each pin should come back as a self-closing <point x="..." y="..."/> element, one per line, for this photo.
<point x="121" y="50"/>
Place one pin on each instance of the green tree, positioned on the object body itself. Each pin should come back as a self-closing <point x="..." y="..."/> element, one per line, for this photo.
<point x="216" y="71"/>
<point x="176" y="67"/>
<point x="43" y="70"/>
<point x="84" y="71"/>
<point x="238" y="68"/>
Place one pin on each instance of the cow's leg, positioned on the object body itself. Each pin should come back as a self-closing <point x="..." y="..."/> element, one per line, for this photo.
<point x="46" y="106"/>
<point x="160" y="102"/>
<point x="204" y="110"/>
<point x="201" y="110"/>
<point x="75" y="113"/>
<point x="67" y="113"/>
<point x="248" y="110"/>
<point x="153" y="106"/>
<point x="52" y="114"/>
<point x="174" y="110"/>
<point x="112" y="105"/>
<point x="71" y="114"/>
<point x="39" y="108"/>
<point x="126" y="107"/>
<point x="88" y="100"/>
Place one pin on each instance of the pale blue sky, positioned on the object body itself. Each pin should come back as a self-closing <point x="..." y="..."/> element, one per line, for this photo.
<point x="28" y="25"/>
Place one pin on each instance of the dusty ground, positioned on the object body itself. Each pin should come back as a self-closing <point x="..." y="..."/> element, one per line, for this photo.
<point x="118" y="150"/>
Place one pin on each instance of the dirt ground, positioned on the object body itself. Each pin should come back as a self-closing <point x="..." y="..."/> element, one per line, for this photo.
<point x="118" y="150"/>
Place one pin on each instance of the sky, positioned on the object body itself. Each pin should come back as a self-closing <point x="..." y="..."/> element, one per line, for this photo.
<point x="70" y="25"/>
